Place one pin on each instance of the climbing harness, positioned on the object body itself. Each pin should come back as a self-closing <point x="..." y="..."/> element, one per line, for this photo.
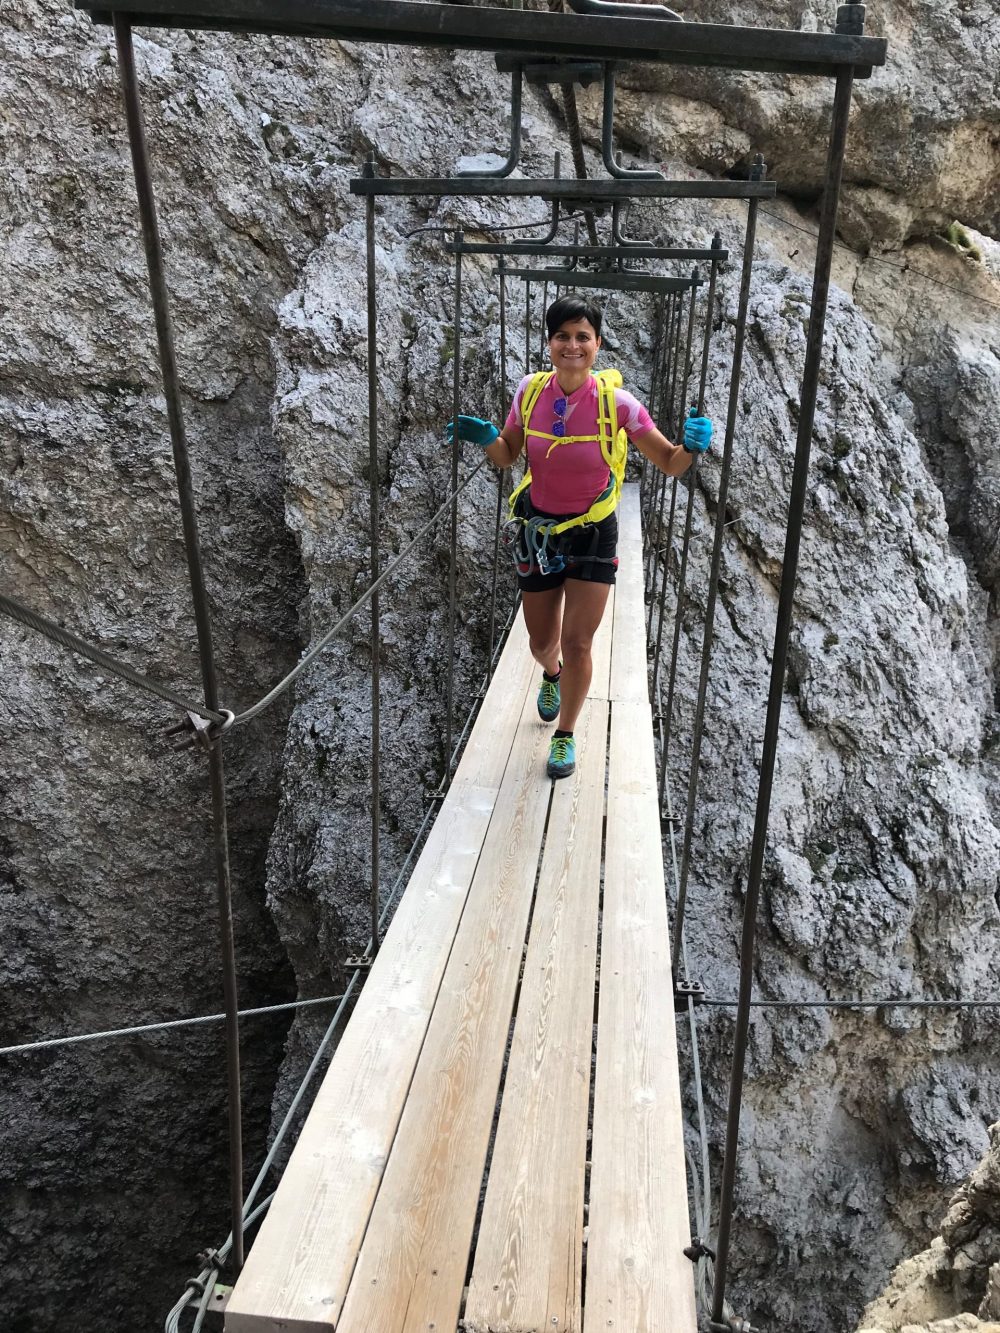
<point x="535" y="541"/>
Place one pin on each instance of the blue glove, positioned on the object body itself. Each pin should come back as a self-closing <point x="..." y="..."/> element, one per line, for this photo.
<point x="473" y="429"/>
<point x="697" y="433"/>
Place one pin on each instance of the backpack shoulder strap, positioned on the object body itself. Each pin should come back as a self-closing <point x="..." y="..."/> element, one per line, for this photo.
<point x="614" y="442"/>
<point x="532" y="393"/>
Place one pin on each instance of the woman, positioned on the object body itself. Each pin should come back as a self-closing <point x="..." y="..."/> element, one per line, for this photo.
<point x="565" y="587"/>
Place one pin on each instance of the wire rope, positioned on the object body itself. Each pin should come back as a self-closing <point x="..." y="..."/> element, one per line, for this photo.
<point x="886" y="263"/>
<point x="363" y="600"/>
<point x="893" y="1002"/>
<point x="166" y="1025"/>
<point x="66" y="639"/>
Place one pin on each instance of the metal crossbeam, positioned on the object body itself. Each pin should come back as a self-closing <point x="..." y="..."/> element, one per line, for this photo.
<point x="540" y="34"/>
<point x="617" y="282"/>
<point x="611" y="252"/>
<point x="587" y="191"/>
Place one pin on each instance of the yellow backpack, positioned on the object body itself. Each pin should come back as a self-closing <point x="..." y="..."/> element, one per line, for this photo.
<point x="613" y="442"/>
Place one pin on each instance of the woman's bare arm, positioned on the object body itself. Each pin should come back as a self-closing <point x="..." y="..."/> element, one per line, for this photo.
<point x="506" y="448"/>
<point x="669" y="458"/>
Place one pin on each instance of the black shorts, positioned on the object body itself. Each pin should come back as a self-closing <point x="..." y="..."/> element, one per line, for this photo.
<point x="590" y="552"/>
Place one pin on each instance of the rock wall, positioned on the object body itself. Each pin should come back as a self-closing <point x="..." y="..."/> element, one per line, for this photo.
<point x="955" y="1283"/>
<point x="884" y="850"/>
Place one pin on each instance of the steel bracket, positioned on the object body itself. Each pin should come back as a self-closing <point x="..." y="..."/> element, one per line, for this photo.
<point x="544" y="70"/>
<point x="195" y="732"/>
<point x="358" y="963"/>
<point x="685" y="990"/>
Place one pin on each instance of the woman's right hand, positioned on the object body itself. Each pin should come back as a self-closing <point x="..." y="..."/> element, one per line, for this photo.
<point x="473" y="429"/>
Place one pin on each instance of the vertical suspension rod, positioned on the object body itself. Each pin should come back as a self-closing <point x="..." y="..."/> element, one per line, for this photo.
<point x="675" y="352"/>
<point x="658" y="302"/>
<point x="688" y="522"/>
<point x="527" y="328"/>
<point x="786" y="599"/>
<point x="682" y="386"/>
<point x="739" y="337"/>
<point x="199" y="597"/>
<point x="659" y="478"/>
<point x="453" y="550"/>
<point x="373" y="517"/>
<point x="501" y="473"/>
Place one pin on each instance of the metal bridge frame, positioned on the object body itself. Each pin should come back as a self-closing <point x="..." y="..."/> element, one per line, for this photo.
<point x="610" y="37"/>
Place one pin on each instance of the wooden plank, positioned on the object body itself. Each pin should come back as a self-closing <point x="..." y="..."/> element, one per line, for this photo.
<point x="628" y="652"/>
<point x="528" y="1263"/>
<point x="637" y="1276"/>
<point x="600" y="682"/>
<point x="412" y="1266"/>
<point x="298" y="1271"/>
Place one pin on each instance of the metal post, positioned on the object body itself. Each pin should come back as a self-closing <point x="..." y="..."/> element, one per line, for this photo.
<point x="665" y="547"/>
<point x="786" y="598"/>
<point x="682" y="381"/>
<point x="453" y="553"/>
<point x="527" y="328"/>
<point x="541" y="326"/>
<point x="501" y="474"/>
<point x="192" y="547"/>
<point x="713" y="578"/>
<point x="659" y="479"/>
<point x="373" y="517"/>
<point x="675" y="365"/>
<point x="688" y="521"/>
<point x="658" y="303"/>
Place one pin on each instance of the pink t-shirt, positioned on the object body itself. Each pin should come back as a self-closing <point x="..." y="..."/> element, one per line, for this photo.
<point x="572" y="476"/>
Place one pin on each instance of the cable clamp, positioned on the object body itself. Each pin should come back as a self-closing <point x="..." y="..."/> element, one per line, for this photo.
<point x="698" y="1250"/>
<point x="199" y="733"/>
<point x="685" y="990"/>
<point x="211" y="1259"/>
<point x="360" y="962"/>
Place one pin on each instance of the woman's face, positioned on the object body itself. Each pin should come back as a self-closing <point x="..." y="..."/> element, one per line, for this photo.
<point x="574" y="346"/>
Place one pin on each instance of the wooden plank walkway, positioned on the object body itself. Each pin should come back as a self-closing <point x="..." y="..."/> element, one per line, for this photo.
<point x="481" y="1155"/>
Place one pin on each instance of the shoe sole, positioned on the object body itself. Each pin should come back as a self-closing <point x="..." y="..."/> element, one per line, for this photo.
<point x="561" y="772"/>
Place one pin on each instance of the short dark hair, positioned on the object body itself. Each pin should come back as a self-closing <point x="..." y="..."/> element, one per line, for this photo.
<point x="570" y="308"/>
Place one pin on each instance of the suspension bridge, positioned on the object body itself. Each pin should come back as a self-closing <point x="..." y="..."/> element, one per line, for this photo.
<point x="498" y="1140"/>
<point x="535" y="919"/>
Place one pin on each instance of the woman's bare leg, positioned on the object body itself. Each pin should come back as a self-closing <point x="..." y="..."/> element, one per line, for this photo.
<point x="585" y="603"/>
<point x="543" y="617"/>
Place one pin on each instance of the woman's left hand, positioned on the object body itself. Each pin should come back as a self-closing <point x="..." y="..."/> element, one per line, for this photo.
<point x="473" y="429"/>
<point x="697" y="433"/>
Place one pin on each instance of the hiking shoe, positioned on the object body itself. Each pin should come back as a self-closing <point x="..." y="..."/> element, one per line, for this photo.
<point x="548" y="700"/>
<point x="562" y="757"/>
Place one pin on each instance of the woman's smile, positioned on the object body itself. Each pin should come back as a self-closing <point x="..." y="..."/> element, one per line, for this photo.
<point x="573" y="349"/>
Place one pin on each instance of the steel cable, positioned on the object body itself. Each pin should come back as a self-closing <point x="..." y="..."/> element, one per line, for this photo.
<point x="65" y="639"/>
<point x="363" y="600"/>
<point x="47" y="1043"/>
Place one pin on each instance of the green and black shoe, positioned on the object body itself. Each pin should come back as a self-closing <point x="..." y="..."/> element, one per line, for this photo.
<point x="548" y="697"/>
<point x="562" y="757"/>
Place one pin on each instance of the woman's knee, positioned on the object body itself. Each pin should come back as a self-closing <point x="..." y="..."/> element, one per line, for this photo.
<point x="576" y="649"/>
<point x="543" y="647"/>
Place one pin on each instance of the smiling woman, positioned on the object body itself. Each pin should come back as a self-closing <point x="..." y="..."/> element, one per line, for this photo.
<point x="575" y="426"/>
